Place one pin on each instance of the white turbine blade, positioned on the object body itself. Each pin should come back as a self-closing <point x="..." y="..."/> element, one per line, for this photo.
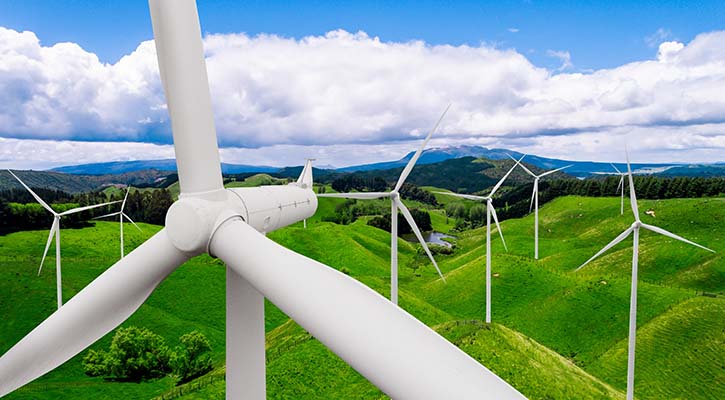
<point x="533" y="194"/>
<point x="464" y="196"/>
<point x="182" y="68"/>
<point x="414" y="159"/>
<point x="35" y="196"/>
<point x="495" y="219"/>
<point x="523" y="166"/>
<point x="615" y="168"/>
<point x="500" y="182"/>
<point x="661" y="231"/>
<point x="125" y="198"/>
<point x="554" y="170"/>
<point x="632" y="195"/>
<point x="356" y="195"/>
<point x="611" y="244"/>
<point x="97" y="309"/>
<point x="408" y="217"/>
<point x="621" y="182"/>
<point x="51" y="235"/>
<point x="131" y="221"/>
<point x="108" y="215"/>
<point x="389" y="347"/>
<point x="79" y="209"/>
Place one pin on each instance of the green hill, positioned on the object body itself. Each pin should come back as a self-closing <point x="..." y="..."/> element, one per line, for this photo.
<point x="556" y="333"/>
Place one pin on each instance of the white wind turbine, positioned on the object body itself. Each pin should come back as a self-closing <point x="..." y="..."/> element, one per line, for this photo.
<point x="397" y="203"/>
<point x="490" y="210"/>
<point x="305" y="180"/>
<point x="535" y="202"/>
<point x="621" y="184"/>
<point x="395" y="351"/>
<point x="634" y="229"/>
<point x="55" y="231"/>
<point x="121" y="215"/>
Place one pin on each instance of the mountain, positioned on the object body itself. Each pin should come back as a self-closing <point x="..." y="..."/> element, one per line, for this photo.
<point x="83" y="183"/>
<point x="118" y="167"/>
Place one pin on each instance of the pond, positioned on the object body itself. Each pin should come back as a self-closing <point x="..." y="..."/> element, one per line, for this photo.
<point x="429" y="237"/>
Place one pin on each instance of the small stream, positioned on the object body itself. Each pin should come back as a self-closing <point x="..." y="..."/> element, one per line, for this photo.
<point x="429" y="237"/>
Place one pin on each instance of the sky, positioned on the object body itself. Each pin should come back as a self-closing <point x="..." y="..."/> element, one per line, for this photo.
<point x="354" y="82"/>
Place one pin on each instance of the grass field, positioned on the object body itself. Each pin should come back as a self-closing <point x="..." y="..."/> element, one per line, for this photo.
<point x="556" y="333"/>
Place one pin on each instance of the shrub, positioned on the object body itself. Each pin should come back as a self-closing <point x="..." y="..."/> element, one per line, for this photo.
<point x="192" y="358"/>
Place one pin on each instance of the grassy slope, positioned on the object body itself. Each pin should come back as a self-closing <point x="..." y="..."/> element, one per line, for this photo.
<point x="576" y="315"/>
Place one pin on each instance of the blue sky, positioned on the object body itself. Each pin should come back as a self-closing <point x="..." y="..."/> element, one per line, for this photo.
<point x="352" y="82"/>
<point x="598" y="34"/>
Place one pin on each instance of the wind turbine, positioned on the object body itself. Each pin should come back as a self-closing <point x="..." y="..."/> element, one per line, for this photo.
<point x="392" y="349"/>
<point x="490" y="210"/>
<point x="621" y="184"/>
<point x="535" y="202"/>
<point x="121" y="215"/>
<point x="55" y="231"/>
<point x="634" y="229"/>
<point x="397" y="203"/>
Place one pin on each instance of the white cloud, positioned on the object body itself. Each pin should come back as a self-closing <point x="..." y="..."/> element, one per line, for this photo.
<point x="563" y="56"/>
<point x="659" y="36"/>
<point x="351" y="92"/>
<point x="513" y="30"/>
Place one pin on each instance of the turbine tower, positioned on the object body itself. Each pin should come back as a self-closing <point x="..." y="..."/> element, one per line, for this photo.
<point x="490" y="210"/>
<point x="535" y="202"/>
<point x="396" y="203"/>
<point x="392" y="349"/>
<point x="55" y="231"/>
<point x="634" y="229"/>
<point x="121" y="215"/>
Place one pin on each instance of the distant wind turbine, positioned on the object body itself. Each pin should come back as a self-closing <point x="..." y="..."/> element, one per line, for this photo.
<point x="621" y="184"/>
<point x="396" y="204"/>
<point x="535" y="202"/>
<point x="636" y="225"/>
<point x="121" y="216"/>
<point x="305" y="180"/>
<point x="55" y="231"/>
<point x="489" y="211"/>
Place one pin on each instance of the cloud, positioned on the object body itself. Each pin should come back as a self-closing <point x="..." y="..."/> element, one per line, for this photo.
<point x="346" y="90"/>
<point x="513" y="30"/>
<point x="659" y="36"/>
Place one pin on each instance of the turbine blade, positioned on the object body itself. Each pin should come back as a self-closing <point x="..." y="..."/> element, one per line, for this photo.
<point x="414" y="159"/>
<point x="523" y="166"/>
<point x="356" y="195"/>
<point x="632" y="195"/>
<point x="125" y="198"/>
<point x="500" y="182"/>
<point x="464" y="196"/>
<point x="621" y="182"/>
<point x="533" y="194"/>
<point x="79" y="209"/>
<point x="131" y="221"/>
<point x="101" y="306"/>
<point x="495" y="219"/>
<point x="51" y="235"/>
<point x="615" y="168"/>
<point x="35" y="196"/>
<point x="389" y="347"/>
<point x="108" y="215"/>
<point x="555" y="170"/>
<point x="411" y="222"/>
<point x="611" y="244"/>
<point x="661" y="231"/>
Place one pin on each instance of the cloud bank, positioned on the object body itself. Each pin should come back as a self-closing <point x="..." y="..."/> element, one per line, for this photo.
<point x="350" y="89"/>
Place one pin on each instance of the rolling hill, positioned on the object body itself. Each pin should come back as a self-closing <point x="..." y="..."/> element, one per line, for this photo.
<point x="556" y="334"/>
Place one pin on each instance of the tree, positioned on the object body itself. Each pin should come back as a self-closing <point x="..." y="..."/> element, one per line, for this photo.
<point x="192" y="358"/>
<point x="477" y="215"/>
<point x="136" y="354"/>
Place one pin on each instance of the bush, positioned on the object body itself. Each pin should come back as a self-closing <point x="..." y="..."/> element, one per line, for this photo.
<point x="135" y="354"/>
<point x="192" y="358"/>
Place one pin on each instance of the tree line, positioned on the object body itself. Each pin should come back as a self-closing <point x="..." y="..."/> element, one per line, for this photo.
<point x="19" y="210"/>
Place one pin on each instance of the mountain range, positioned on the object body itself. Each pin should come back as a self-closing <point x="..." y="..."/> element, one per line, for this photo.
<point x="581" y="169"/>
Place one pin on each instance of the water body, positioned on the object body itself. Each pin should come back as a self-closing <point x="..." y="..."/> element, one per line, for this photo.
<point x="429" y="237"/>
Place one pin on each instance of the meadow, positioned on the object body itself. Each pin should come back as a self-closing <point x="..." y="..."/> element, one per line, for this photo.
<point x="556" y="333"/>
